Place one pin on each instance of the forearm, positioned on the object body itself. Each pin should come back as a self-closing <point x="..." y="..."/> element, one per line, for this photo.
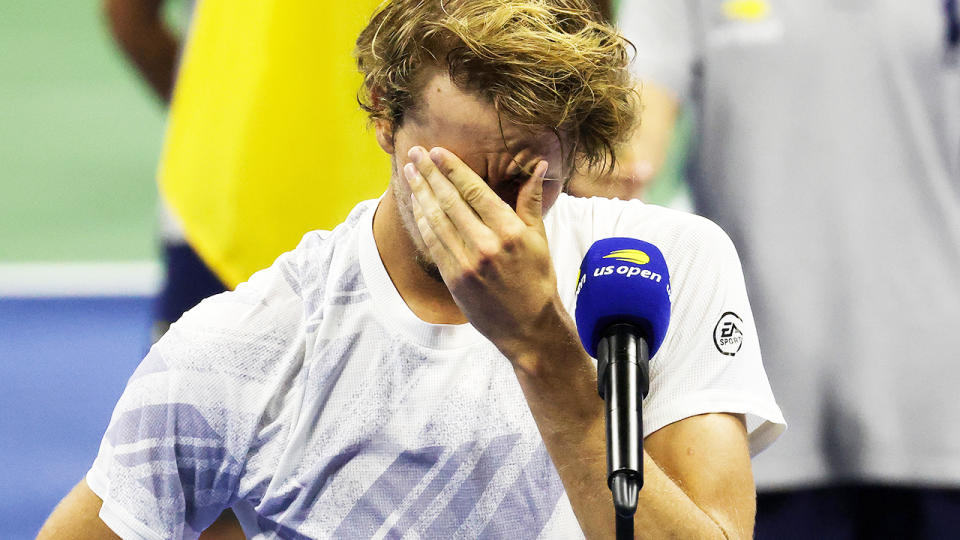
<point x="562" y="396"/>
<point x="139" y="29"/>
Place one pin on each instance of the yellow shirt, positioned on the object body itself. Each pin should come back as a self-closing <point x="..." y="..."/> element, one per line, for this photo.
<point x="265" y="139"/>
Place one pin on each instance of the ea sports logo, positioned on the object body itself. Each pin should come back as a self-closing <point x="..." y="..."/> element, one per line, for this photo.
<point x="728" y="334"/>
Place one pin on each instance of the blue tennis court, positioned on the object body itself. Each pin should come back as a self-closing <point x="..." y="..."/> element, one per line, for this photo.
<point x="64" y="363"/>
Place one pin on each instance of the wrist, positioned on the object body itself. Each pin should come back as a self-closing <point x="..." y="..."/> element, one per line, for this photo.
<point x="559" y="380"/>
<point x="551" y="348"/>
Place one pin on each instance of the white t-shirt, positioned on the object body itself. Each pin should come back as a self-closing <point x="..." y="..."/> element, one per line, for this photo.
<point x="317" y="405"/>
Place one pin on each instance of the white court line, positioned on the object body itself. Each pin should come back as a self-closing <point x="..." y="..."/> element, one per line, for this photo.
<point x="41" y="280"/>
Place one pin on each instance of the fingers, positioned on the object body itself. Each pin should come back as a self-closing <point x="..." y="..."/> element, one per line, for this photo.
<point x="449" y="197"/>
<point x="472" y="189"/>
<point x="464" y="215"/>
<point x="438" y="252"/>
<point x="433" y="221"/>
<point x="530" y="198"/>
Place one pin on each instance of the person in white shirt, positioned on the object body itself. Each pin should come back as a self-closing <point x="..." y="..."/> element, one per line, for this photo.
<point x="416" y="371"/>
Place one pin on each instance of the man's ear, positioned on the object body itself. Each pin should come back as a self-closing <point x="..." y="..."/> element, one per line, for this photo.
<point x="384" y="129"/>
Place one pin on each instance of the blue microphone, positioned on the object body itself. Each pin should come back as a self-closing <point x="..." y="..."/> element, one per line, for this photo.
<point x="623" y="311"/>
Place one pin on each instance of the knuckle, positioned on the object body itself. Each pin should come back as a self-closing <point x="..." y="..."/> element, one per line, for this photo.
<point x="473" y="193"/>
<point x="511" y="237"/>
<point x="482" y="262"/>
<point x="488" y="250"/>
<point x="435" y="218"/>
<point x="447" y="201"/>
<point x="469" y="274"/>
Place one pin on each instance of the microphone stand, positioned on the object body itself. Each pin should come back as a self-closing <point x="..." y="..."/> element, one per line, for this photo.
<point x="623" y="379"/>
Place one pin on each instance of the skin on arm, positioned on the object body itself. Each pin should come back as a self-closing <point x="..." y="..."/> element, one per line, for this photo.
<point x="711" y="454"/>
<point x="139" y="29"/>
<point x="641" y="157"/>
<point x="698" y="480"/>
<point x="78" y="517"/>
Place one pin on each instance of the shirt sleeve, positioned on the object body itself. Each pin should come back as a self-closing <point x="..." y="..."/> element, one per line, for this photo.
<point x="175" y="449"/>
<point x="710" y="359"/>
<point x="662" y="32"/>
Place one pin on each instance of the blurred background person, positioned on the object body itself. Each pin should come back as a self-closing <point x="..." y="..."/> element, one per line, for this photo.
<point x="260" y="121"/>
<point x="142" y="31"/>
<point x="828" y="143"/>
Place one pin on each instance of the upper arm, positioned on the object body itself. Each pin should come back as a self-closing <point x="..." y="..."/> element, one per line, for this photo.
<point x="77" y="516"/>
<point x="186" y="427"/>
<point x="708" y="457"/>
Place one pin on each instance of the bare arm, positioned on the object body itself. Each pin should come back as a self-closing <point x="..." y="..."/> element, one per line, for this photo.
<point x="698" y="481"/>
<point x="78" y="517"/>
<point x="139" y="29"/>
<point x="639" y="159"/>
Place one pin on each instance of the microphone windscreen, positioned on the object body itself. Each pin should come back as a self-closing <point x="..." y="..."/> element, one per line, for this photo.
<point x="623" y="280"/>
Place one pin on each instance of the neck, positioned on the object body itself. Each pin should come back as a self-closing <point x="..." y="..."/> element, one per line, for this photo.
<point x="427" y="298"/>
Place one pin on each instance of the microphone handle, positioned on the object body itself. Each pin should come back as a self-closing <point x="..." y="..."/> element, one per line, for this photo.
<point x="623" y="380"/>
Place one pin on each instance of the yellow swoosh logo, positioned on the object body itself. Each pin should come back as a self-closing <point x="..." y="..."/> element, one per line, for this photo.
<point x="746" y="9"/>
<point x="629" y="255"/>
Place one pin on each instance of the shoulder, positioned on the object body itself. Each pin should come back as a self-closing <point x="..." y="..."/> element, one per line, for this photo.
<point x="262" y="321"/>
<point x="319" y="259"/>
<point x="679" y="235"/>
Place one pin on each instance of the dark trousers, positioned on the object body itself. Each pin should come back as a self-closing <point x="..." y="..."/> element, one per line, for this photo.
<point x="862" y="512"/>
<point x="188" y="281"/>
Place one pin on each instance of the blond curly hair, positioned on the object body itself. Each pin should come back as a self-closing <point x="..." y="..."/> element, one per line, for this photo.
<point x="543" y="64"/>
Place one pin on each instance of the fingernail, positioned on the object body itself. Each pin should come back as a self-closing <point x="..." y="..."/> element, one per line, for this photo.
<point x="415" y="154"/>
<point x="436" y="155"/>
<point x="415" y="206"/>
<point x="410" y="171"/>
<point x="542" y="167"/>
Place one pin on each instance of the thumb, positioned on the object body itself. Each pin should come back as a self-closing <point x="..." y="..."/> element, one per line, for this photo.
<point x="530" y="198"/>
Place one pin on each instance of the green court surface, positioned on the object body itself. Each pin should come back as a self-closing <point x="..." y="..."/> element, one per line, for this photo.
<point x="79" y="139"/>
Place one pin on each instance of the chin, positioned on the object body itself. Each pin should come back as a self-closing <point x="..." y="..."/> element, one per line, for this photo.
<point x="421" y="257"/>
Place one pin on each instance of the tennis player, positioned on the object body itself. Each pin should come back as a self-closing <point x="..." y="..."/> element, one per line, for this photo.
<point x="416" y="372"/>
